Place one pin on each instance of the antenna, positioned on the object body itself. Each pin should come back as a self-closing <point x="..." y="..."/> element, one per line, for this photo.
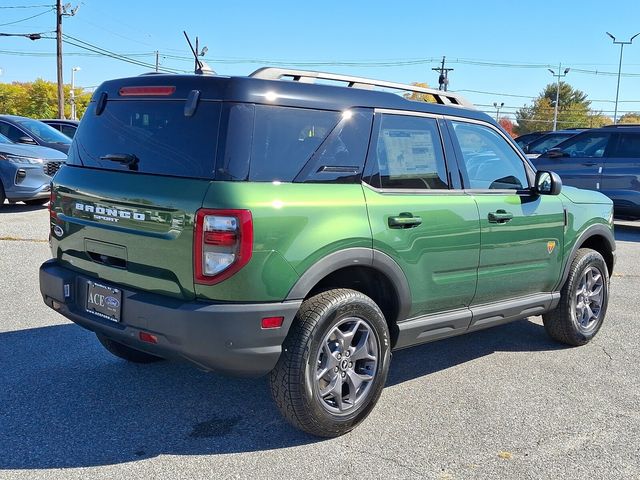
<point x="198" y="69"/>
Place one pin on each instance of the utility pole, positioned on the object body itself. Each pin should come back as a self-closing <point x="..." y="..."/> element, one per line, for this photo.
<point x="59" y="58"/>
<point x="443" y="79"/>
<point x="61" y="11"/>
<point x="157" y="60"/>
<point x="559" y="76"/>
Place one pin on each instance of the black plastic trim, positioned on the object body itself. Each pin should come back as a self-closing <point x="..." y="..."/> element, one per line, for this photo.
<point x="352" y="257"/>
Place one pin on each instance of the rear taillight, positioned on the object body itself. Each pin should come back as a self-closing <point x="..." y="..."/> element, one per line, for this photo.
<point x="222" y="245"/>
<point x="146" y="91"/>
<point x="52" y="198"/>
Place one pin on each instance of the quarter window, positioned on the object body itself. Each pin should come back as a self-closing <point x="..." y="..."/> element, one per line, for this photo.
<point x="628" y="145"/>
<point x="490" y="162"/>
<point x="408" y="153"/>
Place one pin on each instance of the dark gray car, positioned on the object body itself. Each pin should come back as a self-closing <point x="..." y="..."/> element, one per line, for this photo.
<point x="33" y="132"/>
<point x="605" y="159"/>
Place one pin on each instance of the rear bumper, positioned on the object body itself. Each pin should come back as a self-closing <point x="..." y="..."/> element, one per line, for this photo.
<point x="223" y="337"/>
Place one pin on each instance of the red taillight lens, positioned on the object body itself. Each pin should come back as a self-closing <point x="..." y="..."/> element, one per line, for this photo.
<point x="223" y="243"/>
<point x="146" y="91"/>
<point x="52" y="198"/>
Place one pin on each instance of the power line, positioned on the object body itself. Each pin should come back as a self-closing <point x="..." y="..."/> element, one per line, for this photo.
<point x="27" y="6"/>
<point x="27" y="18"/>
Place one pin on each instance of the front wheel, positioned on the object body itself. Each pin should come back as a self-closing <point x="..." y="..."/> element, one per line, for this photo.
<point x="583" y="304"/>
<point x="334" y="363"/>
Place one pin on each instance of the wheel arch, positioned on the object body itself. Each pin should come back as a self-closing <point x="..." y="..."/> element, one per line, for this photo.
<point x="368" y="271"/>
<point x="598" y="238"/>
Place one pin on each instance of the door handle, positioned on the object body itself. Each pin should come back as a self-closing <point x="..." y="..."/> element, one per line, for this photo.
<point x="590" y="164"/>
<point x="404" y="220"/>
<point x="499" y="216"/>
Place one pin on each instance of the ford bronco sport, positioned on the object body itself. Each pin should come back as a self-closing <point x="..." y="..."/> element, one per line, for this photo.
<point x="285" y="224"/>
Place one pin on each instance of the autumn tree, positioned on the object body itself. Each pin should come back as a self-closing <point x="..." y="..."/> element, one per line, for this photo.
<point x="573" y="110"/>
<point x="508" y="125"/>
<point x="39" y="99"/>
<point x="420" y="97"/>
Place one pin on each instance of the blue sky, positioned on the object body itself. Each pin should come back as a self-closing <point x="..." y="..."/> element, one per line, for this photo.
<point x="499" y="47"/>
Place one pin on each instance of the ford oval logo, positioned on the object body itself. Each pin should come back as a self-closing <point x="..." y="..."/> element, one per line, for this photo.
<point x="57" y="231"/>
<point x="112" y="302"/>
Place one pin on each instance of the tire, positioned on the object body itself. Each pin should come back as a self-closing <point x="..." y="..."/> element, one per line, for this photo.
<point x="37" y="201"/>
<point x="583" y="303"/>
<point x="338" y="345"/>
<point x="126" y="353"/>
<point x="2" y="195"/>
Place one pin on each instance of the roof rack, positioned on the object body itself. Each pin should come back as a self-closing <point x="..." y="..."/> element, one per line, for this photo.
<point x="307" y="76"/>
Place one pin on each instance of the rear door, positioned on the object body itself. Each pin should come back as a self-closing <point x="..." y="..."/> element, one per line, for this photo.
<point x="418" y="215"/>
<point x="138" y="172"/>
<point x="621" y="173"/>
<point x="581" y="161"/>
<point x="521" y="233"/>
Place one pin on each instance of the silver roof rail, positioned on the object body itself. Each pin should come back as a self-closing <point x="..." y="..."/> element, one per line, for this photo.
<point x="308" y="76"/>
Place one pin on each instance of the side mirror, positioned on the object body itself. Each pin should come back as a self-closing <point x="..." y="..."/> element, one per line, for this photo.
<point x="27" y="140"/>
<point x="555" y="153"/>
<point x="547" y="183"/>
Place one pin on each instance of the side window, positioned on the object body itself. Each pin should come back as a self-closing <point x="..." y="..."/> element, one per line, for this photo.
<point x="11" y="132"/>
<point x="489" y="160"/>
<point x="408" y="154"/>
<point x="340" y="158"/>
<point x="68" y="131"/>
<point x="628" y="145"/>
<point x="586" y="145"/>
<point x="284" y="139"/>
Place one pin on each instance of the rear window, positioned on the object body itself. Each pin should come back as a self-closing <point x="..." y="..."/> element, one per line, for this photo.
<point x="157" y="133"/>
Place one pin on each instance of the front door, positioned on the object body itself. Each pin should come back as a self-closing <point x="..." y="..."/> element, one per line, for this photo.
<point x="521" y="232"/>
<point x="417" y="215"/>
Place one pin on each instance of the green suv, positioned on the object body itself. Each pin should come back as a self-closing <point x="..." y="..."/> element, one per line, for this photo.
<point x="285" y="224"/>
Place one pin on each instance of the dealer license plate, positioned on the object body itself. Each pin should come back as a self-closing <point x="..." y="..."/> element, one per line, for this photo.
<point x="106" y="302"/>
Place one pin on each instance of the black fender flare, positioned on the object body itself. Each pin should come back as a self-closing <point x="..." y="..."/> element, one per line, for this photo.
<point x="351" y="257"/>
<point x="592" y="231"/>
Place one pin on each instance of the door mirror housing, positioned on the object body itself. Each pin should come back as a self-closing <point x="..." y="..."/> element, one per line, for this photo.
<point x="27" y="140"/>
<point x="547" y="183"/>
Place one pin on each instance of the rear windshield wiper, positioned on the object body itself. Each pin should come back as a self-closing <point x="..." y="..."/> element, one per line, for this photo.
<point x="128" y="159"/>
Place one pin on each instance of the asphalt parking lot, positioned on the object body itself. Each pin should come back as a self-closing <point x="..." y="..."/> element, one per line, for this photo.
<point x="501" y="403"/>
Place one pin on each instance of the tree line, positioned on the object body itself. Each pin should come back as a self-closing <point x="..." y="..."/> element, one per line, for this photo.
<point x="39" y="99"/>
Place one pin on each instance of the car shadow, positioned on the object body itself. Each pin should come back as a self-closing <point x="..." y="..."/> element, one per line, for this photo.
<point x="21" y="207"/>
<point x="68" y="403"/>
<point x="625" y="232"/>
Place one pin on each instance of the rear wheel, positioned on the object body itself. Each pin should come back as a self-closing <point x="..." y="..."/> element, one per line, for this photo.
<point x="37" y="201"/>
<point x="334" y="363"/>
<point x="126" y="353"/>
<point x="583" y="304"/>
<point x="2" y="195"/>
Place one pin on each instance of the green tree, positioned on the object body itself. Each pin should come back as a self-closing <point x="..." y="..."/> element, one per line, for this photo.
<point x="630" y="118"/>
<point x="420" y="97"/>
<point x="39" y="99"/>
<point x="573" y="110"/>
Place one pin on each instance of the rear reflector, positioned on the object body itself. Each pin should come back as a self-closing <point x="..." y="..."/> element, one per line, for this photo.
<point x="146" y="91"/>
<point x="272" y="322"/>
<point x="147" y="337"/>
<point x="220" y="238"/>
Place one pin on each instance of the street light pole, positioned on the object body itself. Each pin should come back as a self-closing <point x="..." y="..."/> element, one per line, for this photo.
<point x="498" y="107"/>
<point x="559" y="75"/>
<point x="72" y="94"/>
<point x="622" y="44"/>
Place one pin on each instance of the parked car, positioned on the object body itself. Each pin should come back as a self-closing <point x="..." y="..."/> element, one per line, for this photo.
<point x="527" y="138"/>
<point x="271" y="225"/>
<point x="26" y="171"/>
<point x="68" y="127"/>
<point x="33" y="132"/>
<point x="550" y="140"/>
<point x="606" y="159"/>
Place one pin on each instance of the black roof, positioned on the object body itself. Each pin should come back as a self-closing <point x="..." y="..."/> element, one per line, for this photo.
<point x="281" y="92"/>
